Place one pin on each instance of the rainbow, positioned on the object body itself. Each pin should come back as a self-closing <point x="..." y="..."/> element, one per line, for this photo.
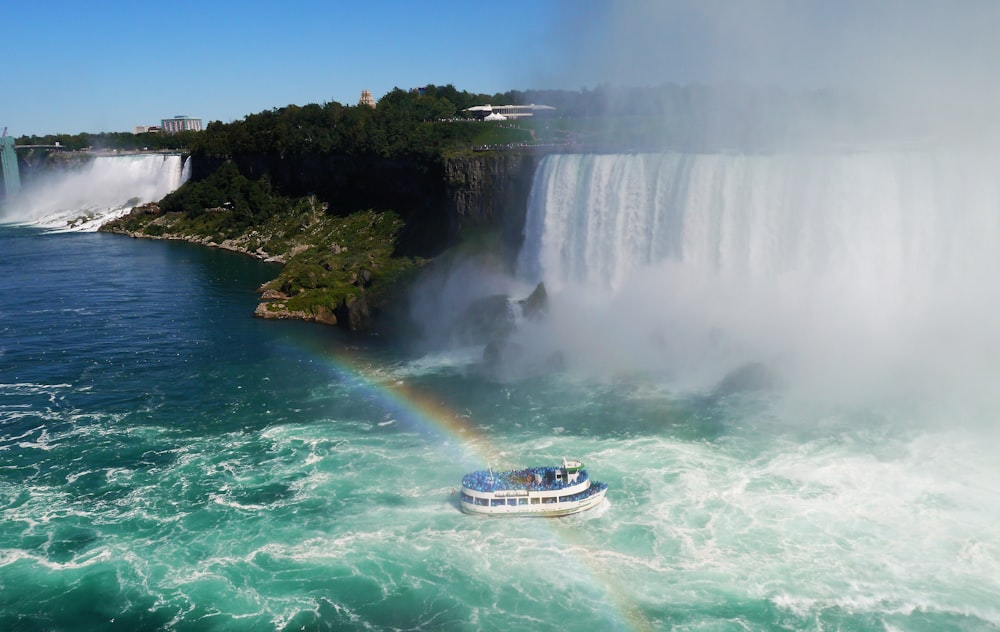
<point x="458" y="434"/>
<point x="412" y="408"/>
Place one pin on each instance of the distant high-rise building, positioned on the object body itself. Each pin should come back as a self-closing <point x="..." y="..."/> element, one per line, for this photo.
<point x="366" y="99"/>
<point x="180" y="124"/>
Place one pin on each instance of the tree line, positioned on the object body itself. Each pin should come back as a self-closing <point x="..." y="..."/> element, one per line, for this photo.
<point x="431" y="120"/>
<point x="422" y="122"/>
<point x="122" y="141"/>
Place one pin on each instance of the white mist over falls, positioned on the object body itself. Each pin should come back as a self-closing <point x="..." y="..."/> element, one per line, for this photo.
<point x="859" y="271"/>
<point x="82" y="198"/>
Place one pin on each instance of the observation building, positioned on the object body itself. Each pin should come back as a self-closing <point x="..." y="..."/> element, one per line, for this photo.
<point x="504" y="112"/>
<point x="180" y="123"/>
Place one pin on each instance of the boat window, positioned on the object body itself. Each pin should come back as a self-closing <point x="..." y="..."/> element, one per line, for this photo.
<point x="536" y="501"/>
<point x="522" y="501"/>
<point x="497" y="502"/>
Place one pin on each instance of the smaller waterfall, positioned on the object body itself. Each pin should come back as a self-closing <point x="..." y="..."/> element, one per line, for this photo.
<point x="83" y="199"/>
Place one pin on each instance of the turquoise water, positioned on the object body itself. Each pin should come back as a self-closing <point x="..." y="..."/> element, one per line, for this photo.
<point x="168" y="462"/>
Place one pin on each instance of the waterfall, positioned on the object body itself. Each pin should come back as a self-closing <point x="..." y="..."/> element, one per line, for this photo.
<point x="185" y="171"/>
<point x="105" y="188"/>
<point x="884" y="261"/>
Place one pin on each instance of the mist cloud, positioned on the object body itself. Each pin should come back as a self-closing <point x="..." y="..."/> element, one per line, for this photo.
<point x="914" y="53"/>
<point x="920" y="69"/>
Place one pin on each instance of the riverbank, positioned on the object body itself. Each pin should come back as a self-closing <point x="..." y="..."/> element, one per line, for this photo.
<point x="336" y="270"/>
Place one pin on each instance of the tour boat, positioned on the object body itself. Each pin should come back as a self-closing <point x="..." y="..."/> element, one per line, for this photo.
<point x="533" y="491"/>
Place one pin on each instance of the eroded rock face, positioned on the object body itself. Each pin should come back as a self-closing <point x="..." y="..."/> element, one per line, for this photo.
<point x="493" y="318"/>
<point x="278" y="311"/>
<point x="440" y="199"/>
<point x="324" y="315"/>
<point x="355" y="312"/>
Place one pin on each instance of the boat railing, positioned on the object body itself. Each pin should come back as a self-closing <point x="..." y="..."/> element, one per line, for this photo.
<point x="527" y="479"/>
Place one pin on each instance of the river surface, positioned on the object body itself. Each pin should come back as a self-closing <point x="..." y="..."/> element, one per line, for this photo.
<point x="783" y="366"/>
<point x="169" y="462"/>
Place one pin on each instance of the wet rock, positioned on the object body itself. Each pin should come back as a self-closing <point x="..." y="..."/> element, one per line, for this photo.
<point x="754" y="376"/>
<point x="536" y="305"/>
<point x="486" y="319"/>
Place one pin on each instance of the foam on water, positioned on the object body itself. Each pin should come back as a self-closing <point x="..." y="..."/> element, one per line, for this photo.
<point x="811" y="526"/>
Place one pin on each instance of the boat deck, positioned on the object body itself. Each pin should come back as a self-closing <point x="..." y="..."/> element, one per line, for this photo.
<point x="530" y="479"/>
<point x="532" y="491"/>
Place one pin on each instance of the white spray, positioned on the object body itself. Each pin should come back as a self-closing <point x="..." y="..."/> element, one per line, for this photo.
<point x="104" y="189"/>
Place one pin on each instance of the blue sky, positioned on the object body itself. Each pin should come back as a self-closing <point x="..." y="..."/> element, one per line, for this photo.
<point x="108" y="66"/>
<point x="97" y="66"/>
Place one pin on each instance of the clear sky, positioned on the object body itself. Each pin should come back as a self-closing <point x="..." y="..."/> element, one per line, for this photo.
<point x="75" y="66"/>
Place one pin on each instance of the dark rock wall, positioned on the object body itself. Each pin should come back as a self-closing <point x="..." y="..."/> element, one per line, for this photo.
<point x="490" y="189"/>
<point x="441" y="201"/>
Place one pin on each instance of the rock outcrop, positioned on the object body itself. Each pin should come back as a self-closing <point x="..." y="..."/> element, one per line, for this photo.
<point x="441" y="202"/>
<point x="504" y="354"/>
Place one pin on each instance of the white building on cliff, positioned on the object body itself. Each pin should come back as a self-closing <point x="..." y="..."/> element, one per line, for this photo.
<point x="180" y="123"/>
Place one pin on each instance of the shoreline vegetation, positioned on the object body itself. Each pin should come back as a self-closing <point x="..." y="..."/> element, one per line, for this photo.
<point x="335" y="270"/>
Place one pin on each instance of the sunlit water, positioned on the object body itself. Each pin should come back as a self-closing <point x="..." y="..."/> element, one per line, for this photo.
<point x="169" y="462"/>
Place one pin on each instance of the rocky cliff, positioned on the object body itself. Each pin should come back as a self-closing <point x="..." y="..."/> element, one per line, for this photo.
<point x="490" y="190"/>
<point x="442" y="200"/>
<point x="357" y="229"/>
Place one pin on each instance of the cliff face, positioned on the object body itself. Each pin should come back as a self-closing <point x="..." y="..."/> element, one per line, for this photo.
<point x="442" y="201"/>
<point x="490" y="190"/>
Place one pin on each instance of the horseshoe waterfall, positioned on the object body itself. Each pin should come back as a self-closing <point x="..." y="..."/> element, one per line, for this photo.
<point x="865" y="270"/>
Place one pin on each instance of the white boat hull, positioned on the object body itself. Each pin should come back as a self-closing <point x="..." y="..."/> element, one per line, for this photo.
<point x="547" y="510"/>
<point x="535" y="491"/>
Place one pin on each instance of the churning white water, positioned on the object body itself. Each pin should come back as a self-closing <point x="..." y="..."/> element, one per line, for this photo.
<point x="104" y="189"/>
